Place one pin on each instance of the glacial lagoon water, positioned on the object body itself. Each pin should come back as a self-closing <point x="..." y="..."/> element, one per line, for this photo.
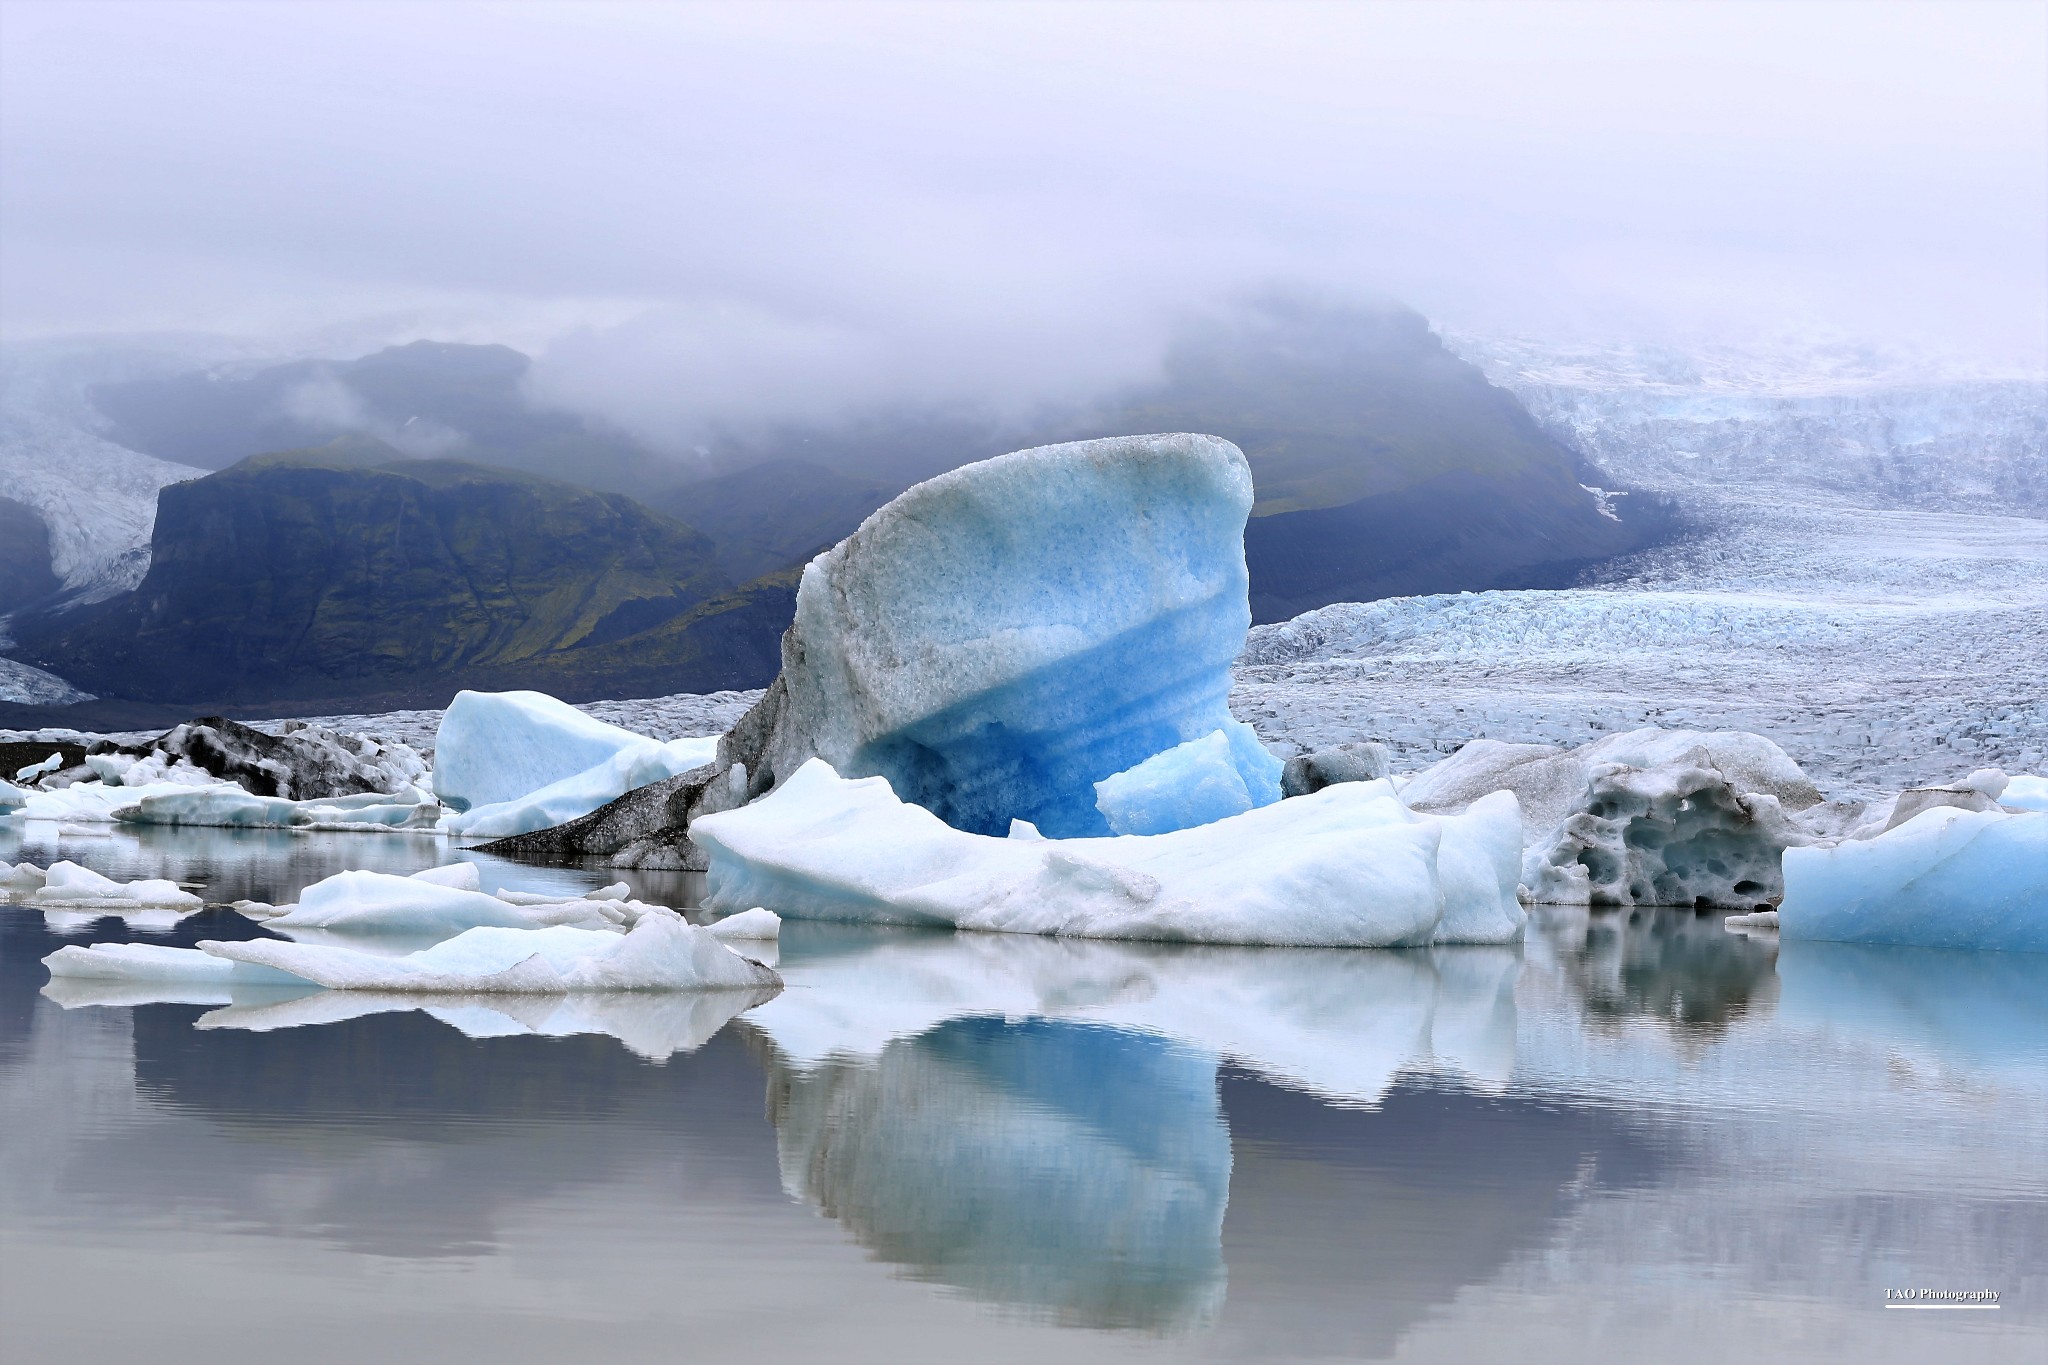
<point x="1636" y="1136"/>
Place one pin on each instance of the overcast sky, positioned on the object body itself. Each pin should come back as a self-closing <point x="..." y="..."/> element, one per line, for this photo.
<point x="689" y="206"/>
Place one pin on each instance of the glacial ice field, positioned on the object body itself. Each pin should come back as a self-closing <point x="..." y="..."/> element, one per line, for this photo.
<point x="1880" y="648"/>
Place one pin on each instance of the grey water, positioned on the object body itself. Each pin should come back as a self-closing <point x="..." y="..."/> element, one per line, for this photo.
<point x="1635" y="1135"/>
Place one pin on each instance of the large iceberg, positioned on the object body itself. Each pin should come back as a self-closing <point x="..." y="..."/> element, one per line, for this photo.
<point x="1946" y="878"/>
<point x="999" y="639"/>
<point x="1348" y="866"/>
<point x="660" y="952"/>
<point x="512" y="762"/>
<point x="1647" y="817"/>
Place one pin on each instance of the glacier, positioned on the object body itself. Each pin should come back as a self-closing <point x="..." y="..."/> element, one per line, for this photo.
<point x="1946" y="878"/>
<point x="1892" y="429"/>
<point x="998" y="639"/>
<point x="1349" y="866"/>
<point x="512" y="762"/>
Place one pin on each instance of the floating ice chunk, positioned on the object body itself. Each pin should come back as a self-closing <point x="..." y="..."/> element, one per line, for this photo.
<point x="1346" y="867"/>
<point x="138" y="963"/>
<point x="1358" y="761"/>
<point x="461" y="876"/>
<point x="12" y="798"/>
<point x="1947" y="878"/>
<point x="229" y="806"/>
<point x="617" y="891"/>
<point x="379" y="903"/>
<point x="95" y="802"/>
<point x="30" y="772"/>
<point x="1650" y="817"/>
<point x="301" y="761"/>
<point x="660" y="952"/>
<point x="20" y="879"/>
<point x="67" y="886"/>
<point x="999" y="639"/>
<point x="2025" y="792"/>
<point x="1479" y="866"/>
<point x="755" y="925"/>
<point x="638" y="764"/>
<point x="495" y="747"/>
<point x="1989" y="781"/>
<point x="1190" y="784"/>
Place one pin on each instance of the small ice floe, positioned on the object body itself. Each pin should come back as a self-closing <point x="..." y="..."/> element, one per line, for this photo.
<point x="1755" y="919"/>
<point x="72" y="897"/>
<point x="438" y="902"/>
<point x="1945" y="878"/>
<point x="1348" y="866"/>
<point x="513" y="762"/>
<point x="749" y="926"/>
<point x="659" y="953"/>
<point x="229" y="806"/>
<point x="2024" y="791"/>
<point x="1195" y="783"/>
<point x="1648" y="817"/>
<point x="30" y="772"/>
<point x="94" y="803"/>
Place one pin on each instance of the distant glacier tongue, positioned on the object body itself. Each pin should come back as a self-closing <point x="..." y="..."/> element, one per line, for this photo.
<point x="999" y="639"/>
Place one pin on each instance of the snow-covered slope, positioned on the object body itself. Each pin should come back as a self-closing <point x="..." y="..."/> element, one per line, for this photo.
<point x="97" y="498"/>
<point x="1888" y="430"/>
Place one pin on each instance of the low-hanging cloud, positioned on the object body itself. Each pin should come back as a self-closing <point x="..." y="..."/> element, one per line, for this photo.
<point x="736" y="212"/>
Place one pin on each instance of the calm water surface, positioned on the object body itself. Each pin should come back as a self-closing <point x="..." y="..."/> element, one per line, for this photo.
<point x="1634" y="1137"/>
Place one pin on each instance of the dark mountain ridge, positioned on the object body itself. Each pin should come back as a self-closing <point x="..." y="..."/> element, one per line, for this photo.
<point x="349" y="574"/>
<point x="352" y="571"/>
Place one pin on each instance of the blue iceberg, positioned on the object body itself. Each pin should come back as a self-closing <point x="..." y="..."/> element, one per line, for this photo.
<point x="1224" y="773"/>
<point x="1001" y="638"/>
<point x="1947" y="878"/>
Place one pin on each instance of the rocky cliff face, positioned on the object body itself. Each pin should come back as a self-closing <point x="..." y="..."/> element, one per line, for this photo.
<point x="341" y="572"/>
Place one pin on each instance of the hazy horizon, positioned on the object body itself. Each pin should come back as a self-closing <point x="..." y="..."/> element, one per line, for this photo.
<point x="710" y="213"/>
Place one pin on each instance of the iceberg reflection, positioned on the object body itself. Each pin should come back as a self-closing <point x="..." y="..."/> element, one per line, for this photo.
<point x="1338" y="1023"/>
<point x="1036" y="1122"/>
<point x="1066" y="1167"/>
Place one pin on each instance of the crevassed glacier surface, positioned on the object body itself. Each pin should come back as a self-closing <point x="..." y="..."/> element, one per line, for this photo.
<point x="1947" y="878"/>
